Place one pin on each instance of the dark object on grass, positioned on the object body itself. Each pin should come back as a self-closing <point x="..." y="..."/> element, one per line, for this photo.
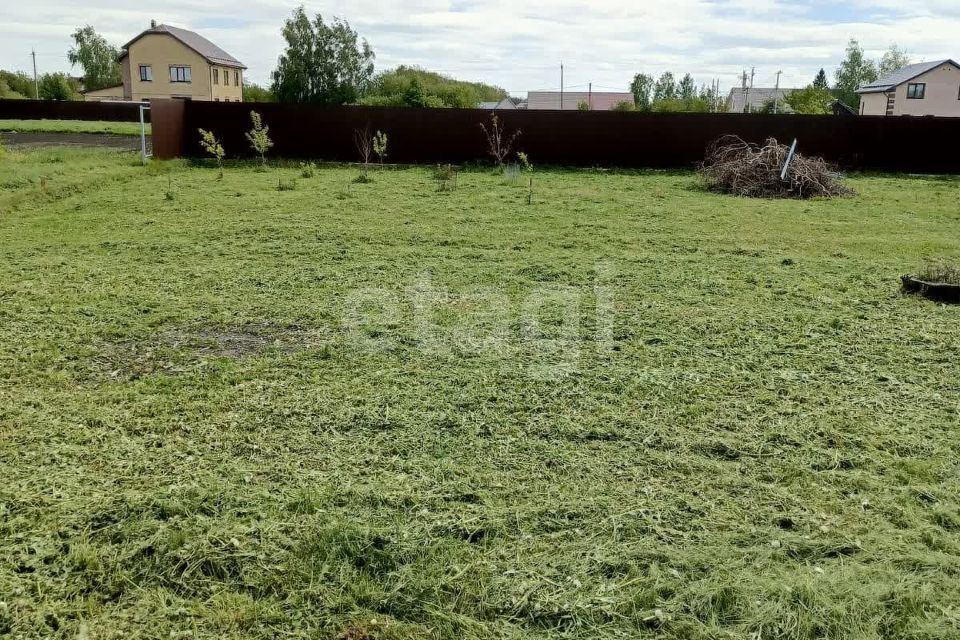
<point x="740" y="168"/>
<point x="936" y="291"/>
<point x="939" y="280"/>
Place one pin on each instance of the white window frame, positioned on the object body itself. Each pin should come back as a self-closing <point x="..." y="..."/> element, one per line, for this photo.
<point x="178" y="71"/>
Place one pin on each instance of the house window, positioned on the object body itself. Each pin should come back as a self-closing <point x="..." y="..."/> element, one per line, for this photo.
<point x="216" y="76"/>
<point x="180" y="74"/>
<point x="226" y="78"/>
<point x="146" y="73"/>
<point x="236" y="78"/>
<point x="916" y="90"/>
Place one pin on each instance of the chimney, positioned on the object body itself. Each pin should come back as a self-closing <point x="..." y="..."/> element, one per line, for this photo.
<point x="153" y="24"/>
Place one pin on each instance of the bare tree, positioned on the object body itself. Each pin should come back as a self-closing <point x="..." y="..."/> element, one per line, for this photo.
<point x="499" y="146"/>
<point x="363" y="140"/>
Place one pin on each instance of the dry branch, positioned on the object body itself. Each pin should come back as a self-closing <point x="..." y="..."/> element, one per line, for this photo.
<point x="740" y="168"/>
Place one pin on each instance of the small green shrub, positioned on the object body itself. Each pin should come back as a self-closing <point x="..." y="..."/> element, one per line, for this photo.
<point x="286" y="185"/>
<point x="307" y="169"/>
<point x="445" y="176"/>
<point x="259" y="138"/>
<point x="212" y="146"/>
<point x="380" y="146"/>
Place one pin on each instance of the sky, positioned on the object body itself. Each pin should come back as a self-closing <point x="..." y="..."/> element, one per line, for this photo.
<point x="519" y="44"/>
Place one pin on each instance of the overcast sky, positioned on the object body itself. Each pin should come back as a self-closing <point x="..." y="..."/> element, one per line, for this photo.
<point x="519" y="44"/>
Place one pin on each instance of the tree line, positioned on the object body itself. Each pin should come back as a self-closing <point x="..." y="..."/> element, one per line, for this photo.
<point x="329" y="63"/>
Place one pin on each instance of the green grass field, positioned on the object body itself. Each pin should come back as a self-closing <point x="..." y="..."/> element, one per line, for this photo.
<point x="73" y="126"/>
<point x="379" y="411"/>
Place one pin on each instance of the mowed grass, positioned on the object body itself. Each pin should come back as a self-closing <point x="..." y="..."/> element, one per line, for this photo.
<point x="630" y="409"/>
<point x="73" y="126"/>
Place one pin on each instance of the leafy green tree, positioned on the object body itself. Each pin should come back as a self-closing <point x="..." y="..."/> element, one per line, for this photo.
<point x="855" y="71"/>
<point x="6" y="93"/>
<point x="679" y="105"/>
<point x="687" y="89"/>
<point x="97" y="57"/>
<point x="20" y="84"/>
<point x="57" y="86"/>
<point x="255" y="93"/>
<point x="820" y="82"/>
<point x="395" y="88"/>
<point x="893" y="59"/>
<point x="642" y="90"/>
<point x="322" y="64"/>
<point x="812" y="100"/>
<point x="665" y="88"/>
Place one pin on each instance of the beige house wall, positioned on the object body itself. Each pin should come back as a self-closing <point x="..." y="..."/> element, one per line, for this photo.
<point x="942" y="96"/>
<point x="229" y="87"/>
<point x="873" y="104"/>
<point x="161" y="51"/>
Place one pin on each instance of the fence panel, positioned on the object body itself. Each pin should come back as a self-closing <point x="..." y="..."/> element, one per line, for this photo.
<point x="69" y="110"/>
<point x="573" y="138"/>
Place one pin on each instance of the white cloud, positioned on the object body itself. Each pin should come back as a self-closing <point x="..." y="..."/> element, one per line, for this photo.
<point x="519" y="44"/>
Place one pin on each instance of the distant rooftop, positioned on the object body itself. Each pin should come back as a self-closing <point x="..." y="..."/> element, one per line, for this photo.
<point x="211" y="52"/>
<point x="895" y="79"/>
<point x="506" y="103"/>
<point x="598" y="100"/>
<point x="757" y="98"/>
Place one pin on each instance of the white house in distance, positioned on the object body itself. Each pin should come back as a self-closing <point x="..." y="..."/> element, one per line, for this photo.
<point x="924" y="89"/>
<point x="571" y="100"/>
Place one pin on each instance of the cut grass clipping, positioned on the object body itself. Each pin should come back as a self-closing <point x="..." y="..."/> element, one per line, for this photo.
<point x="220" y="417"/>
<point x="743" y="169"/>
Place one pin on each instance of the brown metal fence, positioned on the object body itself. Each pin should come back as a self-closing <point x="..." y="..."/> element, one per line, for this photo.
<point x="571" y="138"/>
<point x="70" y="110"/>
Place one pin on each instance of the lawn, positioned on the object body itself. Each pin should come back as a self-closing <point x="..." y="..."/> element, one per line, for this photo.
<point x="73" y="126"/>
<point x="382" y="411"/>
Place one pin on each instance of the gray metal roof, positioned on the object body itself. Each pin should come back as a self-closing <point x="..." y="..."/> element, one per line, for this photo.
<point x="895" y="79"/>
<point x="757" y="98"/>
<point x="506" y="103"/>
<point x="195" y="41"/>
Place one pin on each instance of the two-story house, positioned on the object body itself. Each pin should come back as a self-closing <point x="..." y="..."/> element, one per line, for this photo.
<point x="169" y="62"/>
<point x="925" y="89"/>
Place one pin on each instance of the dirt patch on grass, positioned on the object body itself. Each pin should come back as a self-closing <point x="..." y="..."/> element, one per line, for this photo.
<point x="101" y="140"/>
<point x="180" y="351"/>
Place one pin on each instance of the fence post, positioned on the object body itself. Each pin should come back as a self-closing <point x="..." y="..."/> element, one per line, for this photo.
<point x="143" y="135"/>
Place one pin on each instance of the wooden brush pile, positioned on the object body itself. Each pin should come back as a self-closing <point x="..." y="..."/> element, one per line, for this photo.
<point x="740" y="168"/>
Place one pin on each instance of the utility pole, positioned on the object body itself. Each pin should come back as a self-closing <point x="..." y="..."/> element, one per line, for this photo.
<point x="746" y="92"/>
<point x="776" y="94"/>
<point x="36" y="85"/>
<point x="561" y="86"/>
